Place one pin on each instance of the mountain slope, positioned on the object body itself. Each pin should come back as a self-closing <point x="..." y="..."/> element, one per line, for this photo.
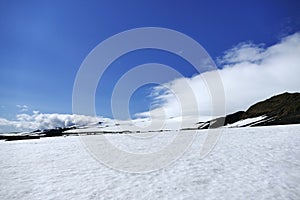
<point x="277" y="110"/>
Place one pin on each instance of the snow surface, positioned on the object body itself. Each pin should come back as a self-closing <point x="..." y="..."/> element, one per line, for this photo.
<point x="248" y="121"/>
<point x="247" y="163"/>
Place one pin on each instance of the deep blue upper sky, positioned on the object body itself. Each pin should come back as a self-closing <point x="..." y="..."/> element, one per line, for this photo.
<point x="43" y="43"/>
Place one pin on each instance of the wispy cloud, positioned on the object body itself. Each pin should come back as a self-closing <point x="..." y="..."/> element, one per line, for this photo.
<point x="23" y="108"/>
<point x="243" y="52"/>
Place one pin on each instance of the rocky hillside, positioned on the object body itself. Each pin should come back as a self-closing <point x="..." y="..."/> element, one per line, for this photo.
<point x="277" y="110"/>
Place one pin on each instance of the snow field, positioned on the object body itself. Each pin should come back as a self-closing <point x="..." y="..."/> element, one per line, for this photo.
<point x="247" y="163"/>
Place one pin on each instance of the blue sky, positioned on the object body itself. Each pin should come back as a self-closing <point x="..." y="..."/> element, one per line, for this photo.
<point x="43" y="43"/>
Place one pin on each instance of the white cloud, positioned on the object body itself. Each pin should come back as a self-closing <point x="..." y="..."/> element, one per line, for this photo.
<point x="42" y="121"/>
<point x="250" y="73"/>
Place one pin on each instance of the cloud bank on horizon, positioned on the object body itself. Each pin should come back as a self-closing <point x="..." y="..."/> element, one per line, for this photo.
<point x="37" y="120"/>
<point x="249" y="72"/>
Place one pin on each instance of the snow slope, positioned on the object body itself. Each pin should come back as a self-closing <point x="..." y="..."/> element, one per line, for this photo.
<point x="247" y="163"/>
<point x="247" y="122"/>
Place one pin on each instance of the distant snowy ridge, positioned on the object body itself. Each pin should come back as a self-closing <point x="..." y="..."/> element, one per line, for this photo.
<point x="277" y="110"/>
